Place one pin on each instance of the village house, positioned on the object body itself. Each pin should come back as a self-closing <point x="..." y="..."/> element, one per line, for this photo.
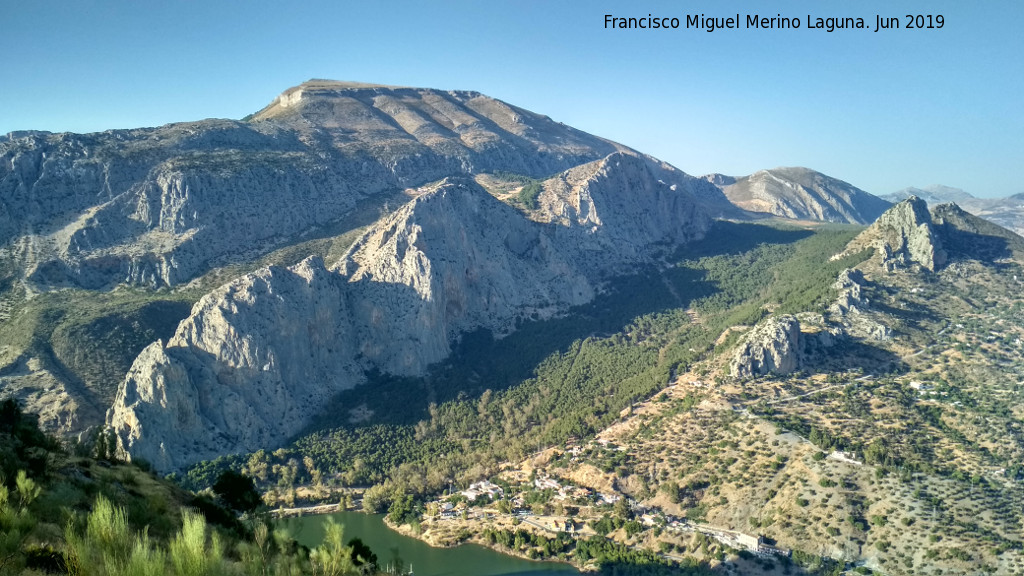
<point x="848" y="457"/>
<point x="563" y="526"/>
<point x="483" y="488"/>
<point x="768" y="547"/>
<point x="545" y="483"/>
<point x="760" y="545"/>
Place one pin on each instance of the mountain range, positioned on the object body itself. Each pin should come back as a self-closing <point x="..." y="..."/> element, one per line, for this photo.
<point x="466" y="275"/>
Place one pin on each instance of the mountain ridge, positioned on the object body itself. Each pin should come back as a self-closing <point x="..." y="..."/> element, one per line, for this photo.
<point x="452" y="260"/>
<point x="1007" y="212"/>
<point x="154" y="206"/>
<point x="800" y="193"/>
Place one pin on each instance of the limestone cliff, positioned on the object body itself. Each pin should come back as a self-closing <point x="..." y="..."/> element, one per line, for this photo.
<point x="615" y="210"/>
<point x="771" y="347"/>
<point x="159" y="206"/>
<point x="902" y="237"/>
<point x="256" y="359"/>
<point x="851" y="308"/>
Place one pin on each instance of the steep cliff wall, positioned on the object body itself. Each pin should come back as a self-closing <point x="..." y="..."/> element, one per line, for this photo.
<point x="257" y="358"/>
<point x="903" y="236"/>
<point x="158" y="206"/>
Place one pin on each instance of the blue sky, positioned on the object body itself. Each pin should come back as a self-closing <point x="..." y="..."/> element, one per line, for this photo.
<point x="881" y="110"/>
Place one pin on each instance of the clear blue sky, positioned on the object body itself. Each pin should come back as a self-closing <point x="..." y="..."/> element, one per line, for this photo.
<point x="881" y="110"/>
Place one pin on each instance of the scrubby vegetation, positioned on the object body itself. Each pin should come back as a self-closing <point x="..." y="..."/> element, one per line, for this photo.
<point x="529" y="193"/>
<point x="63" y="511"/>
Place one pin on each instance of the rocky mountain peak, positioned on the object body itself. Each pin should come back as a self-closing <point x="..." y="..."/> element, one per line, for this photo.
<point x="908" y="234"/>
<point x="159" y="206"/>
<point x="801" y="193"/>
<point x="905" y="236"/>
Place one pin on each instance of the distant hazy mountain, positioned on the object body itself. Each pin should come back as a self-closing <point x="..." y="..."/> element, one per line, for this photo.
<point x="935" y="194"/>
<point x="1007" y="212"/>
<point x="802" y="194"/>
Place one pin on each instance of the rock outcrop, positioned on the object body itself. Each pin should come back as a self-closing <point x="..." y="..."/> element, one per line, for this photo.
<point x="849" y="287"/>
<point x="160" y="206"/>
<point x="903" y="237"/>
<point x="1007" y="212"/>
<point x="802" y="194"/>
<point x="851" y="305"/>
<point x="910" y="235"/>
<point x="906" y="236"/>
<point x="771" y="347"/>
<point x="257" y="359"/>
<point x="785" y="344"/>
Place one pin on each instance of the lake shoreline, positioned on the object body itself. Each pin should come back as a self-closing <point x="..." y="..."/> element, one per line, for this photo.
<point x="472" y="554"/>
<point x="475" y="539"/>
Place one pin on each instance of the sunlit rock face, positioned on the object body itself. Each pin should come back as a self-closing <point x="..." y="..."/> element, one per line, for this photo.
<point x="258" y="358"/>
<point x="160" y="206"/>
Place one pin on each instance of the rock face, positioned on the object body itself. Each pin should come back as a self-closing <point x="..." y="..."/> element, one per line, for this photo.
<point x="800" y="193"/>
<point x="771" y="347"/>
<point x="907" y="236"/>
<point x="902" y="237"/>
<point x="257" y="359"/>
<point x="625" y="204"/>
<point x="849" y="287"/>
<point x="245" y="366"/>
<point x="851" y="304"/>
<point x="159" y="206"/>
<point x="784" y="344"/>
<point x="1007" y="212"/>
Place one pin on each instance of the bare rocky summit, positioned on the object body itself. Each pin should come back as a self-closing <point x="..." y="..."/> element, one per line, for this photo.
<point x="256" y="360"/>
<point x="802" y="194"/>
<point x="159" y="206"/>
<point x="1007" y="212"/>
<point x="909" y="234"/>
<point x="771" y="347"/>
<point x="906" y="236"/>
